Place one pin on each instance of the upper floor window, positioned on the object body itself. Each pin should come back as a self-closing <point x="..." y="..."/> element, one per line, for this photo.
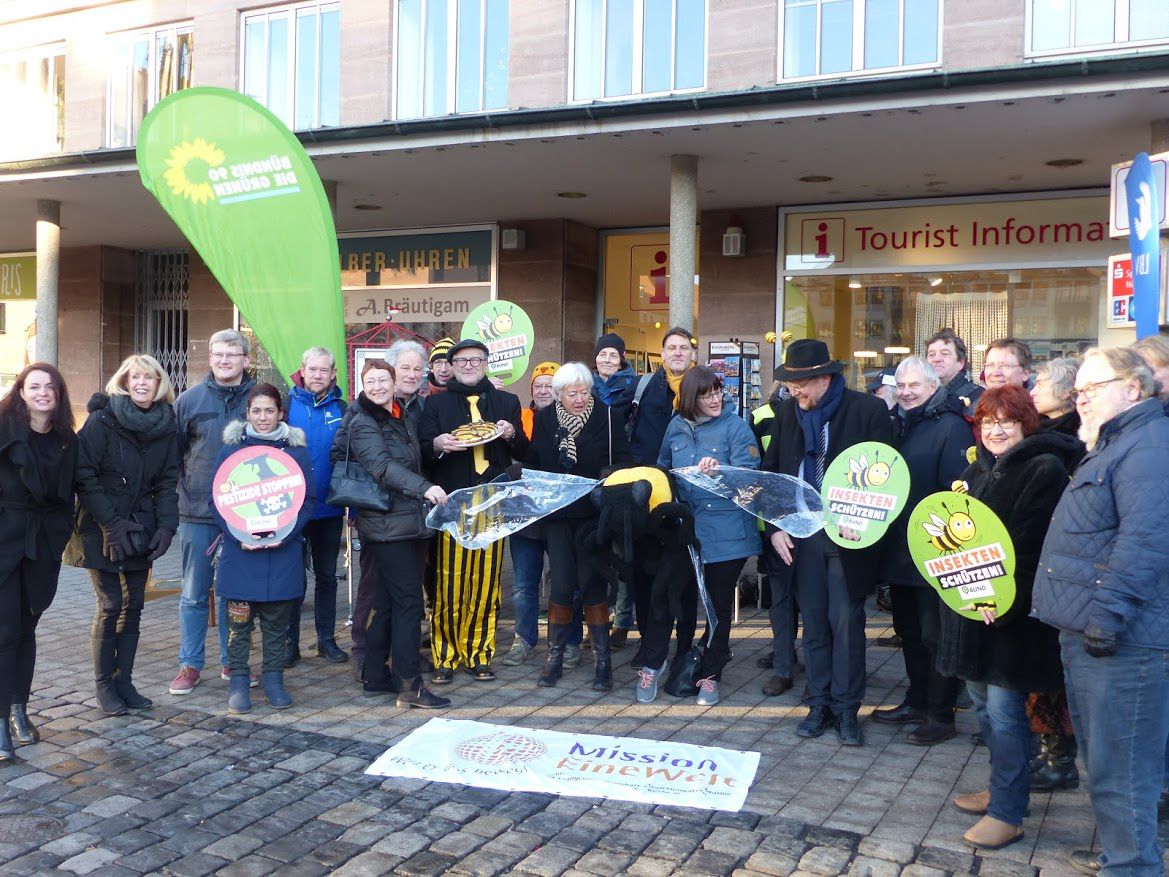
<point x="1056" y="26"/>
<point x="826" y="37"/>
<point x="147" y="66"/>
<point x="33" y="85"/>
<point x="623" y="47"/>
<point x="292" y="63"/>
<point x="451" y="57"/>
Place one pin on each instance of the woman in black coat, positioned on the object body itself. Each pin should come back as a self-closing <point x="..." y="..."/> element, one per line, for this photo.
<point x="576" y="435"/>
<point x="38" y="455"/>
<point x="933" y="438"/>
<point x="1020" y="473"/>
<point x="127" y="515"/>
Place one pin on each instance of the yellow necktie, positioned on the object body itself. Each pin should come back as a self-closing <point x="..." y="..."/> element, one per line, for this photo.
<point x="480" y="456"/>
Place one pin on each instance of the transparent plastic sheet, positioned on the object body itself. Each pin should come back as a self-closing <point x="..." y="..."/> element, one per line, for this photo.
<point x="707" y="603"/>
<point x="782" y="500"/>
<point x="477" y="516"/>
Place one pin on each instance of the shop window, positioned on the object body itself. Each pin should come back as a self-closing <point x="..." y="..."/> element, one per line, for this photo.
<point x="841" y="37"/>
<point x="33" y="85"/>
<point x="292" y="63"/>
<point x="1056" y="26"/>
<point x="871" y="321"/>
<point x="146" y="67"/>
<point x="624" y="47"/>
<point x="451" y="56"/>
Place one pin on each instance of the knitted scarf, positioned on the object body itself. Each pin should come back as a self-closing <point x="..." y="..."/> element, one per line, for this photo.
<point x="147" y="424"/>
<point x="675" y="383"/>
<point x="280" y="433"/>
<point x="570" y="427"/>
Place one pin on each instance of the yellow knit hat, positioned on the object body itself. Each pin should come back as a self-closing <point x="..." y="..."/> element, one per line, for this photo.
<point x="544" y="368"/>
<point x="441" y="346"/>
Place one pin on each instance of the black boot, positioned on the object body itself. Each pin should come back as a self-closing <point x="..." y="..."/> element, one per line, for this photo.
<point x="104" y="667"/>
<point x="597" y="618"/>
<point x="23" y="731"/>
<point x="1055" y="767"/>
<point x="559" y="618"/>
<point x="123" y="679"/>
<point x="7" y="750"/>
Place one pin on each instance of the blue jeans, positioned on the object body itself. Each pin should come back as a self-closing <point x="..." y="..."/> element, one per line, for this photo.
<point x="1120" y="710"/>
<point x="1002" y="718"/>
<point x="527" y="560"/>
<point x="195" y="538"/>
<point x="621" y="599"/>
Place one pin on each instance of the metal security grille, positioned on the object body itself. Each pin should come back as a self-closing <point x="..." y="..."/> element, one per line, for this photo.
<point x="160" y="310"/>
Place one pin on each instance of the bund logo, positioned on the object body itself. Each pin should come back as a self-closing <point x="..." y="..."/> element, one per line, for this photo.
<point x="494" y="749"/>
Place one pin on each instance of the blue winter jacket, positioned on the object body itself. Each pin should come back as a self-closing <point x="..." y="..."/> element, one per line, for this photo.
<point x="617" y="392"/>
<point x="1105" y="561"/>
<point x="725" y="530"/>
<point x="267" y="574"/>
<point x="320" y="419"/>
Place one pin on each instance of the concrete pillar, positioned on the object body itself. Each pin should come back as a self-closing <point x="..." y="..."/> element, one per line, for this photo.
<point x="48" y="278"/>
<point x="683" y="238"/>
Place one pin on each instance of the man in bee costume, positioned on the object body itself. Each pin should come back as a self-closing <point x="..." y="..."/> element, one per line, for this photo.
<point x="821" y="419"/>
<point x="466" y="599"/>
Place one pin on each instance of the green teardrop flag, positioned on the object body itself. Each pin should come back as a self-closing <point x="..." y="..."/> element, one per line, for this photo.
<point x="239" y="185"/>
<point x="963" y="550"/>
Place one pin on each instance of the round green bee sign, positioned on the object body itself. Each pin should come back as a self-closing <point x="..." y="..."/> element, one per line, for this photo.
<point x="507" y="331"/>
<point x="864" y="490"/>
<point x="963" y="550"/>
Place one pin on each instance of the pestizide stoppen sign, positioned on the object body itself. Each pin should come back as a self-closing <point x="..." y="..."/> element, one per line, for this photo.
<point x="865" y="488"/>
<point x="259" y="491"/>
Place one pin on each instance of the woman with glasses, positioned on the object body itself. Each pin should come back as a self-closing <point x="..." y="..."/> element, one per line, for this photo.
<point x="708" y="433"/>
<point x="1020" y="473"/>
<point x="577" y="435"/>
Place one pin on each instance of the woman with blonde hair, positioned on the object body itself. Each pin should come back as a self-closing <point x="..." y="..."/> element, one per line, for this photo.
<point x="127" y="514"/>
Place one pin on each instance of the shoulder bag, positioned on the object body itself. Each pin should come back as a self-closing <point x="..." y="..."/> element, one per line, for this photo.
<point x="351" y="485"/>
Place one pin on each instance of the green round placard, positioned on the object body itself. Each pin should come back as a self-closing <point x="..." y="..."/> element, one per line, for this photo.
<point x="507" y="332"/>
<point x="864" y="490"/>
<point x="965" y="553"/>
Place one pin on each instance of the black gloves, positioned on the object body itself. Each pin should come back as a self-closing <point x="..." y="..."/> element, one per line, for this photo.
<point x="115" y="546"/>
<point x="159" y="544"/>
<point x="1099" y="643"/>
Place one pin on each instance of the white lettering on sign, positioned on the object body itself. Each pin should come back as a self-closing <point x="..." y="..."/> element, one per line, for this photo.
<point x="11" y="281"/>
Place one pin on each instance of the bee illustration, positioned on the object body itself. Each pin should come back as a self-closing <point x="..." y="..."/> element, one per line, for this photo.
<point x="862" y="476"/>
<point x="492" y="327"/>
<point x="950" y="535"/>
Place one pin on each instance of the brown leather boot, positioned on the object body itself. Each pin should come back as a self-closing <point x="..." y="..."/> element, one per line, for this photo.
<point x="993" y="834"/>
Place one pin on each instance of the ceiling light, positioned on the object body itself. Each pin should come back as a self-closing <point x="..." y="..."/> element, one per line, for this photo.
<point x="1064" y="162"/>
<point x="815" y="178"/>
<point x="854" y="282"/>
<point x="936" y="281"/>
<point x="897" y="351"/>
<point x="865" y="354"/>
<point x="367" y="207"/>
<point x="571" y="195"/>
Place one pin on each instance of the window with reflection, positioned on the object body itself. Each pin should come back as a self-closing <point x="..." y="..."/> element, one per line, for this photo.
<point x="839" y="37"/>
<point x="451" y="56"/>
<point x="625" y="47"/>
<point x="1056" y="26"/>
<point x="146" y="66"/>
<point x="33" y="85"/>
<point x="292" y="63"/>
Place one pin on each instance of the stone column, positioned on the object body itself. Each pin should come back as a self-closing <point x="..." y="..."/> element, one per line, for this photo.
<point x="48" y="278"/>
<point x="683" y="238"/>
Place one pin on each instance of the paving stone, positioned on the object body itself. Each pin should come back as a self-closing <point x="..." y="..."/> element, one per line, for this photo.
<point x="234" y="846"/>
<point x="290" y="848"/>
<point x="489" y="825"/>
<point x="549" y="861"/>
<point x="88" y="861"/>
<point x="889" y="850"/>
<point x="334" y="853"/>
<point x="456" y="812"/>
<point x="646" y="866"/>
<point x="829" y="861"/>
<point x="196" y="865"/>
<point x="425" y="864"/>
<point x="706" y="861"/>
<point x="349" y="813"/>
<point x="945" y="860"/>
<point x="737" y="841"/>
<point x="921" y="871"/>
<point x="988" y="867"/>
<point x="368" y="864"/>
<point x="458" y="844"/>
<point x="775" y="864"/>
<point x="303" y="868"/>
<point x="70" y="844"/>
<point x="402" y="844"/>
<point x="149" y="859"/>
<point x="250" y="866"/>
<point x="821" y="836"/>
<point x="605" y="863"/>
<point x="484" y="863"/>
<point x="866" y="866"/>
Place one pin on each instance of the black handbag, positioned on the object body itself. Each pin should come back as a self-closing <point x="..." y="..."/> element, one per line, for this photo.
<point x="351" y="485"/>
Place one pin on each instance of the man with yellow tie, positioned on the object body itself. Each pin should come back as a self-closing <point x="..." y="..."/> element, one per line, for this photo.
<point x="466" y="600"/>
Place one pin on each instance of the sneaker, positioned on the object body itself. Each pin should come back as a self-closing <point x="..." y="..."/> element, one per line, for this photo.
<point x="647" y="685"/>
<point x="185" y="682"/>
<point x="225" y="675"/>
<point x="520" y="652"/>
<point x="423" y="699"/>
<point x="707" y="691"/>
<point x="571" y="657"/>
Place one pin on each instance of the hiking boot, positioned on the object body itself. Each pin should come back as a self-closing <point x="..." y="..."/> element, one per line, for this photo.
<point x="185" y="682"/>
<point x="520" y="652"/>
<point x="818" y="720"/>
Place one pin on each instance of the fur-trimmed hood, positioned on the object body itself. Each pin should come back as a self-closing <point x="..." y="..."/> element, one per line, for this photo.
<point x="234" y="432"/>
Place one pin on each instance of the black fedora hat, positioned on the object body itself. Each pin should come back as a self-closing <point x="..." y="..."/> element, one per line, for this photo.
<point x="807" y="358"/>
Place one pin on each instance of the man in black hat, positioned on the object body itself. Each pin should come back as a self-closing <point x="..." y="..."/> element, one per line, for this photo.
<point x="821" y="419"/>
<point x="466" y="599"/>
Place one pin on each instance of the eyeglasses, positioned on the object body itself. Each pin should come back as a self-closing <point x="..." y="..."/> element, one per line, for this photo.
<point x="228" y="356"/>
<point x="711" y="396"/>
<point x="1090" y="391"/>
<point x="987" y="424"/>
<point x="469" y="361"/>
<point x="1000" y="366"/>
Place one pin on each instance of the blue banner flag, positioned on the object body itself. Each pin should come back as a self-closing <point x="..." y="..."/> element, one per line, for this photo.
<point x="1144" y="243"/>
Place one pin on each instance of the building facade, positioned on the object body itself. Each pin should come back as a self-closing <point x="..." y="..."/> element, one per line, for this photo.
<point x="864" y="171"/>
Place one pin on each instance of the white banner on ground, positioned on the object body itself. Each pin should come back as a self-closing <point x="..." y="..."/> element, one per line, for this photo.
<point x="514" y="759"/>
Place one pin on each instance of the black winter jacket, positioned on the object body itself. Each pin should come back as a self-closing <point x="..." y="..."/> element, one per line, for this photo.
<point x="449" y="410"/>
<point x="650" y="417"/>
<point x="1022" y="487"/>
<point x="933" y="440"/>
<point x="202" y="412"/>
<point x="35" y="518"/>
<point x="600" y="447"/>
<point x="122" y="475"/>
<point x="964" y="391"/>
<point x="387" y="446"/>
<point x="860" y="418"/>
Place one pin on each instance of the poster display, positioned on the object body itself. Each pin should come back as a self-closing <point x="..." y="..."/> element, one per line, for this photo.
<point x="259" y="491"/>
<point x="865" y="488"/>
<point x="964" y="552"/>
<point x="507" y="331"/>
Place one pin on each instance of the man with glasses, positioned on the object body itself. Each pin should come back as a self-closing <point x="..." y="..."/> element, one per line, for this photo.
<point x="1008" y="361"/>
<point x="466" y="600"/>
<point x="821" y="419"/>
<point x="202" y="412"/>
<point x="1103" y="581"/>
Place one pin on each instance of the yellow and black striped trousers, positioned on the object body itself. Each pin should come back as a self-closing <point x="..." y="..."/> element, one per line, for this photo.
<point x="466" y="603"/>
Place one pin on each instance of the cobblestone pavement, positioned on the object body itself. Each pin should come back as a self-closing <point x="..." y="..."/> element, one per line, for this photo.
<point x="183" y="789"/>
